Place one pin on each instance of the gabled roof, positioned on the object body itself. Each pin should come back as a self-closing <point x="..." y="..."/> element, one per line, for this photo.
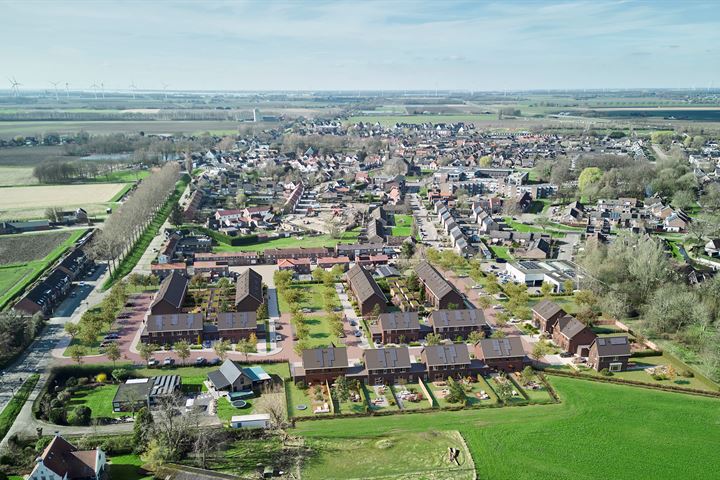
<point x="399" y="321"/>
<point x="501" y="347"/>
<point x="249" y="284"/>
<point x="63" y="458"/>
<point x="438" y="355"/>
<point x="330" y="357"/>
<point x="384" y="358"/>
<point x="569" y="326"/>
<point x="433" y="280"/>
<point x="172" y="290"/>
<point x="174" y="322"/>
<point x="363" y="284"/>
<point x="547" y="309"/>
<point x="615" y="346"/>
<point x="458" y="318"/>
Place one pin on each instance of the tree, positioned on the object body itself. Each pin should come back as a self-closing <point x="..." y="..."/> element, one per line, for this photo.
<point x="342" y="388"/>
<point x="318" y="275"/>
<point x="176" y="215"/>
<point x="146" y="350"/>
<point x="112" y="352"/>
<point x="81" y="415"/>
<point x="683" y="199"/>
<point x="432" y="339"/>
<point x="337" y="329"/>
<point x="475" y="336"/>
<point x="527" y="375"/>
<point x="568" y="286"/>
<point x="407" y="250"/>
<point x="540" y="349"/>
<point x="241" y="199"/>
<point x="498" y="334"/>
<point x="546" y="289"/>
<point x="504" y="389"/>
<point x="262" y="312"/>
<point x="502" y="319"/>
<point x="272" y="401"/>
<point x="182" y="349"/>
<point x="221" y="348"/>
<point x="485" y="161"/>
<point x="244" y="347"/>
<point x="76" y="352"/>
<point x="72" y="329"/>
<point x="456" y="392"/>
<point x="588" y="180"/>
<point x="120" y="374"/>
<point x="484" y="302"/>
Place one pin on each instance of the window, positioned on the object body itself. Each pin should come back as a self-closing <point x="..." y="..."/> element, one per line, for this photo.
<point x="615" y="367"/>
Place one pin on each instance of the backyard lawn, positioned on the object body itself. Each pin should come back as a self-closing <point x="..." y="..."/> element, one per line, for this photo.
<point x="399" y="456"/>
<point x="501" y="252"/>
<point x="292" y="242"/>
<point x="403" y="225"/>
<point x="127" y="467"/>
<point x="678" y="434"/>
<point x="99" y="399"/>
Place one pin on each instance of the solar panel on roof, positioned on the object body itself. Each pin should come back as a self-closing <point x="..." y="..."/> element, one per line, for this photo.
<point x="617" y="340"/>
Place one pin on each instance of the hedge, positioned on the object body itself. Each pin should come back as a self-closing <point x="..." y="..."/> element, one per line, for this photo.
<point x="12" y="409"/>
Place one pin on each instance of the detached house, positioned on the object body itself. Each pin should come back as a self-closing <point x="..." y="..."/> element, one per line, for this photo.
<point x="572" y="335"/>
<point x="63" y="461"/>
<point x="612" y="353"/>
<point x="545" y="313"/>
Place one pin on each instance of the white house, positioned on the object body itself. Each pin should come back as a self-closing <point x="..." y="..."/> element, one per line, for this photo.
<point x="259" y="420"/>
<point x="63" y="461"/>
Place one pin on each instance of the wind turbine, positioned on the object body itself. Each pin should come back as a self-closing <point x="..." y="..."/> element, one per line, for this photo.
<point x="102" y="89"/>
<point x="14" y="86"/>
<point x="94" y="88"/>
<point x="133" y="88"/>
<point x="55" y="84"/>
<point x="67" y="89"/>
<point x="165" y="86"/>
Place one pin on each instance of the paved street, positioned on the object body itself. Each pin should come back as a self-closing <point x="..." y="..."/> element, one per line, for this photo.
<point x="428" y="232"/>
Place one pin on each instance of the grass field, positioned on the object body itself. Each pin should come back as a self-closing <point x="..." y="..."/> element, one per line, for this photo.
<point x="421" y="455"/>
<point x="99" y="399"/>
<point x="127" y="467"/>
<point x="14" y="176"/>
<point x="16" y="276"/>
<point x="501" y="252"/>
<point x="13" y="129"/>
<point x="316" y="241"/>
<point x="31" y="201"/>
<point x="590" y="435"/>
<point x="29" y="156"/>
<point x="387" y="120"/>
<point x="403" y="226"/>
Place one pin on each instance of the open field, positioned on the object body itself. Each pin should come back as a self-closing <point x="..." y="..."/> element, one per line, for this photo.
<point x="12" y="129"/>
<point x="32" y="201"/>
<point x="30" y="156"/>
<point x="402" y="456"/>
<point x="16" y="276"/>
<point x="387" y="120"/>
<point x="12" y="176"/>
<point x="676" y="434"/>
<point x="27" y="247"/>
<point x="403" y="225"/>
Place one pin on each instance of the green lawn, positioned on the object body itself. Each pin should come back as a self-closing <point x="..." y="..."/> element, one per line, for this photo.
<point x="403" y="225"/>
<point x="398" y="456"/>
<point x="99" y="399"/>
<point x="14" y="278"/>
<point x="225" y="410"/>
<point x="590" y="435"/>
<point x="554" y="230"/>
<point x="193" y="377"/>
<point x="13" y="407"/>
<point x="501" y="252"/>
<point x="127" y="467"/>
<point x="308" y="241"/>
<point x="320" y="335"/>
<point x="311" y="297"/>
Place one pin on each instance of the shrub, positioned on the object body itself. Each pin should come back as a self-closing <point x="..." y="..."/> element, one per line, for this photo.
<point x="56" y="403"/>
<point x="81" y="415"/>
<point x="71" y="382"/>
<point x="301" y="385"/>
<point x="606" y="373"/>
<point x="687" y="373"/>
<point x="64" y="396"/>
<point x="659" y="377"/>
<point x="120" y="374"/>
<point x="101" y="378"/>
<point x="42" y="443"/>
<point x="57" y="416"/>
<point x="83" y="381"/>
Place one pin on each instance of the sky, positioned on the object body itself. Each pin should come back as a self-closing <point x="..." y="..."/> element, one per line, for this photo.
<point x="368" y="45"/>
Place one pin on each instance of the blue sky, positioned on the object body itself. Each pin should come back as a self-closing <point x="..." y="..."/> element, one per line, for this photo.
<point x="328" y="45"/>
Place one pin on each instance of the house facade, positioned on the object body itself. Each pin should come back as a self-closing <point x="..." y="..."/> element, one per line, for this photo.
<point x="611" y="353"/>
<point x="439" y="293"/>
<point x="504" y="354"/>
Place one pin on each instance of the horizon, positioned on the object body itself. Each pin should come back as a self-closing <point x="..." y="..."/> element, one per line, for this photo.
<point x="323" y="46"/>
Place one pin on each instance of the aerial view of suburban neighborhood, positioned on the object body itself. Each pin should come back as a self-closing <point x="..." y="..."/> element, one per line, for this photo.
<point x="359" y="240"/>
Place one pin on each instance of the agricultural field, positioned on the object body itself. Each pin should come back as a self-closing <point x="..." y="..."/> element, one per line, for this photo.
<point x="38" y="252"/>
<point x="12" y="176"/>
<point x="400" y="456"/>
<point x="675" y="432"/>
<point x="32" y="201"/>
<point x="12" y="129"/>
<point x="29" y="156"/>
<point x="387" y="120"/>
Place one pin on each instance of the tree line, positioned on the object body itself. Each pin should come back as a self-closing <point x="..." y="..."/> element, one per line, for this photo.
<point x="126" y="225"/>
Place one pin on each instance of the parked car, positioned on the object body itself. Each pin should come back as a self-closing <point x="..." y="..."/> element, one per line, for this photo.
<point x="278" y="326"/>
<point x="353" y="323"/>
<point x="200" y="361"/>
<point x="306" y="310"/>
<point x="112" y="336"/>
<point x="566" y="354"/>
<point x="215" y="361"/>
<point x="168" y="362"/>
<point x="152" y="362"/>
<point x="358" y="333"/>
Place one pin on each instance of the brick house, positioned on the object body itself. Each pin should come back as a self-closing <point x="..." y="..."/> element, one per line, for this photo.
<point x="233" y="326"/>
<point x="171" y="295"/>
<point x="505" y="354"/>
<point x="367" y="292"/>
<point x="386" y="366"/>
<point x="248" y="291"/>
<point x="451" y="324"/>
<point x="166" y="329"/>
<point x="320" y="365"/>
<point x="443" y="361"/>
<point x="394" y="325"/>
<point x="439" y="293"/>
<point x="612" y="353"/>
<point x="545" y="313"/>
<point x="572" y="335"/>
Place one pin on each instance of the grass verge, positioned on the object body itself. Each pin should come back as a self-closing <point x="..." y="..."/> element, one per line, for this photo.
<point x="12" y="409"/>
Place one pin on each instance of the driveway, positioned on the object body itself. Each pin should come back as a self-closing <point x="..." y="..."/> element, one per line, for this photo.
<point x="351" y="341"/>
